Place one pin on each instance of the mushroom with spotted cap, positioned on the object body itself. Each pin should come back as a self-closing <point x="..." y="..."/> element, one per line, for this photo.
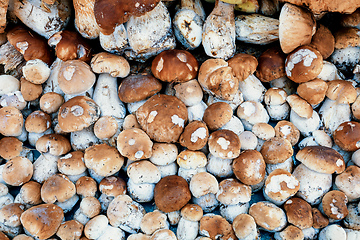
<point x="134" y="144"/>
<point x="224" y="144"/>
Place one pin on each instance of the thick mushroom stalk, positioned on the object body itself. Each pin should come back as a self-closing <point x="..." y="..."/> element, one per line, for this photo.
<point x="85" y="22"/>
<point x="188" y="23"/>
<point x="218" y="37"/>
<point x="3" y="9"/>
<point x="116" y="42"/>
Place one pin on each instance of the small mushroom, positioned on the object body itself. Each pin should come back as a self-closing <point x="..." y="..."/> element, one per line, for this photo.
<point x="188" y="226"/>
<point x="134" y="144"/>
<point x="213" y="226"/>
<point x="36" y="71"/>
<point x="244" y="226"/>
<point x="112" y="64"/>
<point x="333" y="205"/>
<point x="348" y="182"/>
<point x="299" y="213"/>
<point x="153" y="221"/>
<point x="224" y="144"/>
<point x="191" y="163"/>
<point x="290" y="232"/>
<point x="268" y="216"/>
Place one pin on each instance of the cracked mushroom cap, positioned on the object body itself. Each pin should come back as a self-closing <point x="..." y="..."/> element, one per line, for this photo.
<point x="171" y="193"/>
<point x="134" y="144"/>
<point x="69" y="45"/>
<point x="313" y="91"/>
<point x="78" y="113"/>
<point x="224" y="144"/>
<point x="10" y="214"/>
<point x="71" y="229"/>
<point x="50" y="102"/>
<point x="203" y="183"/>
<point x="213" y="226"/>
<point x="276" y="150"/>
<point x="75" y="77"/>
<point x="299" y="213"/>
<point x="249" y="167"/>
<point x="188" y="159"/>
<point x="217" y="115"/>
<point x="42" y="221"/>
<point x="287" y="130"/>
<point x="243" y="65"/>
<point x="112" y="186"/>
<point x="163" y="118"/>
<point x="38" y="122"/>
<point x="86" y="186"/>
<point x="303" y="64"/>
<point x="103" y="159"/>
<point x="268" y="216"/>
<point x="348" y="182"/>
<point x="232" y="192"/>
<point x="347" y="136"/>
<point x="195" y="135"/>
<point x="342" y="91"/>
<point x="153" y="221"/>
<point x="192" y="212"/>
<point x="54" y="144"/>
<point x="115" y="65"/>
<point x="271" y="65"/>
<point x="323" y="41"/>
<point x="296" y="27"/>
<point x="105" y="127"/>
<point x="57" y="187"/>
<point x="143" y="172"/>
<point x="334" y="205"/>
<point x="321" y="159"/>
<point x="175" y="66"/>
<point x="72" y="163"/>
<point x="10" y="147"/>
<point x="17" y="171"/>
<point x="29" y="44"/>
<point x="138" y="87"/>
<point x="11" y="121"/>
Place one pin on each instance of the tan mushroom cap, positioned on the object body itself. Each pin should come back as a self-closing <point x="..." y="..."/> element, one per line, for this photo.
<point x="71" y="229"/>
<point x="30" y="91"/>
<point x="72" y="163"/>
<point x="57" y="187"/>
<point x="348" y="182"/>
<point x="299" y="212"/>
<point x="192" y="212"/>
<point x="103" y="159"/>
<point x="90" y="207"/>
<point x="263" y="131"/>
<point x="10" y="147"/>
<point x="10" y="214"/>
<point x="191" y="159"/>
<point x="232" y="192"/>
<point x="153" y="221"/>
<point x="347" y="37"/>
<point x="290" y="232"/>
<point x="249" y="167"/>
<point x="271" y="65"/>
<point x="319" y="220"/>
<point x="300" y="106"/>
<point x="334" y="205"/>
<point x="22" y="237"/>
<point x="243" y="65"/>
<point x="164" y="153"/>
<point x="313" y="91"/>
<point x="171" y="193"/>
<point x="143" y="172"/>
<point x="224" y="144"/>
<point x="268" y="216"/>
<point x="296" y="27"/>
<point x="50" y="102"/>
<point x="36" y="71"/>
<point x="276" y="150"/>
<point x="86" y="186"/>
<point x="17" y="171"/>
<point x="31" y="193"/>
<point x="321" y="159"/>
<point x="342" y="91"/>
<point x="105" y="127"/>
<point x="287" y="130"/>
<point x="115" y="65"/>
<point x="244" y="225"/>
<point x="203" y="183"/>
<point x="96" y="226"/>
<point x="303" y="64"/>
<point x="138" y="87"/>
<point x="130" y="122"/>
<point x="215" y="225"/>
<point x="190" y="92"/>
<point x="195" y="135"/>
<point x="38" y="122"/>
<point x="175" y="66"/>
<point x="3" y="236"/>
<point x="327" y="6"/>
<point x="217" y="115"/>
<point x="78" y="113"/>
<point x="138" y="236"/>
<point x="54" y="144"/>
<point x="275" y="96"/>
<point x="11" y="121"/>
<point x="323" y="41"/>
<point x="347" y="136"/>
<point x="75" y="77"/>
<point x="134" y="144"/>
<point x="36" y="220"/>
<point x="163" y="118"/>
<point x="112" y="186"/>
<point x="163" y="234"/>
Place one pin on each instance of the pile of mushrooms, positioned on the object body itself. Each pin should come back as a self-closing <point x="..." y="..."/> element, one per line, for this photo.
<point x="179" y="119"/>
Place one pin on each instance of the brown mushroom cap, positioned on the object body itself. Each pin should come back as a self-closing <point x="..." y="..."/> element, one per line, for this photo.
<point x="31" y="193"/>
<point x="188" y="159"/>
<point x="263" y="131"/>
<point x="11" y="121"/>
<point x="271" y="65"/>
<point x="134" y="144"/>
<point x="50" y="102"/>
<point x="268" y="216"/>
<point x="29" y="44"/>
<point x="17" y="171"/>
<point x="232" y="192"/>
<point x="112" y="186"/>
<point x="217" y="115"/>
<point x="10" y="214"/>
<point x="115" y="65"/>
<point x="192" y="212"/>
<point x="214" y="226"/>
<point x="276" y="150"/>
<point x="290" y="232"/>
<point x="38" y="122"/>
<point x="319" y="220"/>
<point x="103" y="159"/>
<point x="72" y="163"/>
<point x="163" y="118"/>
<point x="300" y="106"/>
<point x="42" y="221"/>
<point x="342" y="91"/>
<point x="203" y="183"/>
<point x="130" y="121"/>
<point x="244" y="225"/>
<point x="57" y="187"/>
<point x="86" y="186"/>
<point x="138" y="87"/>
<point x="321" y="159"/>
<point x="287" y="130"/>
<point x="30" y="91"/>
<point x="275" y="96"/>
<point x="195" y="135"/>
<point x="347" y="136"/>
<point x="75" y="77"/>
<point x="171" y="193"/>
<point x="313" y="91"/>
<point x="105" y="127"/>
<point x="153" y="221"/>
<point x="348" y="182"/>
<point x="334" y="205"/>
<point x="71" y="229"/>
<point x="243" y="65"/>
<point x="224" y="144"/>
<point x="69" y="45"/>
<point x="327" y="6"/>
<point x="22" y="237"/>
<point x="10" y="147"/>
<point x="54" y="144"/>
<point x="78" y="113"/>
<point x="3" y="236"/>
<point x="347" y="37"/>
<point x="323" y="41"/>
<point x="175" y="66"/>
<point x="299" y="213"/>
<point x="249" y="167"/>
<point x="303" y="64"/>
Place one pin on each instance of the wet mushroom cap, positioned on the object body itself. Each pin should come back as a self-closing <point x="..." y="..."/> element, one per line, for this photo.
<point x="347" y="136"/>
<point x="271" y="65"/>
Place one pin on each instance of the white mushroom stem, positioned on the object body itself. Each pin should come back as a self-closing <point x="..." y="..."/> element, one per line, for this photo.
<point x="106" y="96"/>
<point x="219" y="31"/>
<point x="252" y="89"/>
<point x="229" y="212"/>
<point x="52" y="84"/>
<point x="68" y="204"/>
<point x="85" y="22"/>
<point x="187" y="230"/>
<point x="116" y="42"/>
<point x="333" y="114"/>
<point x="143" y="192"/>
<point x="83" y="139"/>
<point x="44" y="167"/>
<point x="188" y="23"/>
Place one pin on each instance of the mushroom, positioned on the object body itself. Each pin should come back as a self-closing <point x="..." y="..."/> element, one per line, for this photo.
<point x="251" y="112"/>
<point x="4" y="6"/>
<point x="244" y="226"/>
<point x="72" y="165"/>
<point x="191" y="163"/>
<point x="134" y="144"/>
<point x="346" y="137"/>
<point x="71" y="229"/>
<point x="319" y="220"/>
<point x="153" y="221"/>
<point x="351" y="221"/>
<point x="81" y="140"/>
<point x="106" y="128"/>
<point x="341" y="91"/>
<point x="219" y="167"/>
<point x="224" y="144"/>
<point x="332" y="231"/>
<point x="263" y="132"/>
<point x="275" y="103"/>
<point x="299" y="213"/>
<point x="305" y="126"/>
<point x="333" y="114"/>
<point x="96" y="227"/>
<point x="213" y="226"/>
<point x="323" y="41"/>
<point x="54" y="144"/>
<point x="11" y="121"/>
<point x="163" y="234"/>
<point x="189" y="92"/>
<point x="85" y="22"/>
<point x="86" y="187"/>
<point x="194" y="136"/>
<point x="11" y="58"/>
<point x="116" y="41"/>
<point x="112" y="64"/>
<point x="290" y="232"/>
<point x="252" y="89"/>
<point x="204" y="186"/>
<point x="287" y="130"/>
<point x="188" y="226"/>
<point x="44" y="167"/>
<point x="36" y="71"/>
<point x="11" y="147"/>
<point x="313" y="91"/>
<point x="217" y="115"/>
<point x="347" y="182"/>
<point x="9" y="84"/>
<point x="110" y="187"/>
<point x="10" y="219"/>
<point x="333" y="205"/>
<point x="271" y="65"/>
<point x="23" y="169"/>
